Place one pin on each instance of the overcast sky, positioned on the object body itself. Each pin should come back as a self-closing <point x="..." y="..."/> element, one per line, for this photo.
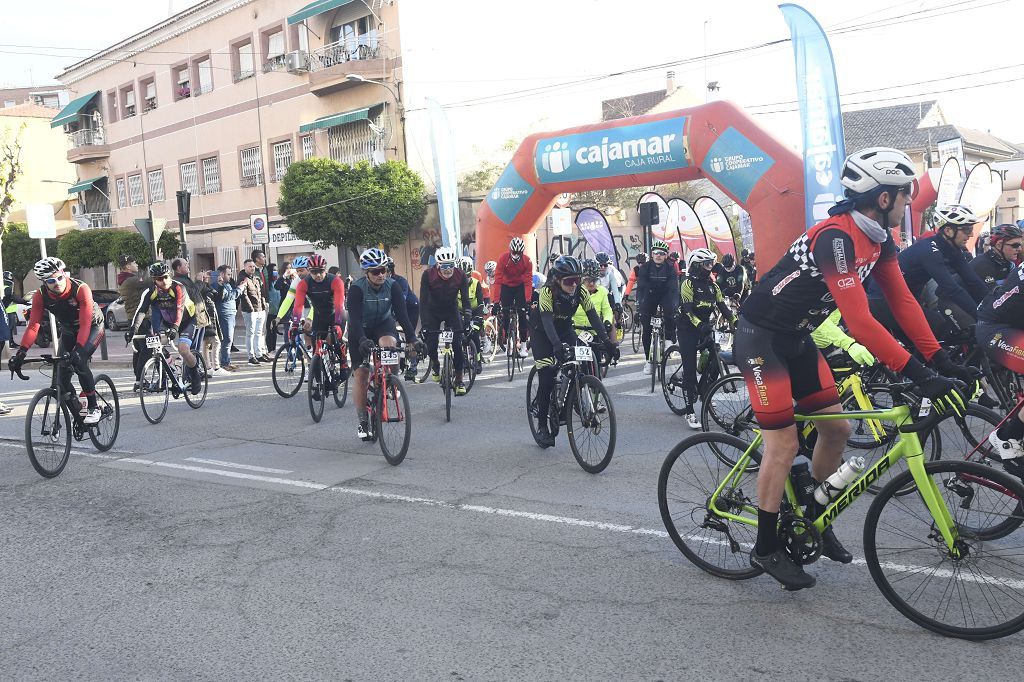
<point x="960" y="51"/>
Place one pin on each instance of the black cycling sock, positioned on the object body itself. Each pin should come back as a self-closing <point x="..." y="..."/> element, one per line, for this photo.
<point x="1013" y="428"/>
<point x="767" y="532"/>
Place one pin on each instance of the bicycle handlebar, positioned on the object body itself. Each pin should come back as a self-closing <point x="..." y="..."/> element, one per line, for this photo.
<point x="45" y="358"/>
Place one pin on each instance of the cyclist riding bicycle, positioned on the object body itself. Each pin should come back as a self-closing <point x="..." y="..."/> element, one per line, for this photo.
<point x="750" y="265"/>
<point x="444" y="297"/>
<point x="824" y="269"/>
<point x="513" y="279"/>
<point x="1000" y="331"/>
<point x="478" y="300"/>
<point x="641" y="258"/>
<point x="657" y="284"/>
<point x="699" y="296"/>
<point x="994" y="264"/>
<point x="173" y="312"/>
<point x="940" y="259"/>
<point x="326" y="296"/>
<point x="490" y="267"/>
<point x="552" y="322"/>
<point x="301" y="265"/>
<point x="599" y="296"/>
<point x="374" y="305"/>
<point x="611" y="279"/>
<point x="79" y="325"/>
<point x="731" y="278"/>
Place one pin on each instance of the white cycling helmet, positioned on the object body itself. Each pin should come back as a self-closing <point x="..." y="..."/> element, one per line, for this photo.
<point x="466" y="263"/>
<point x="446" y="256"/>
<point x="47" y="266"/>
<point x="490" y="267"/>
<point x="955" y="215"/>
<point x="700" y="256"/>
<point x="876" y="167"/>
<point x="517" y="245"/>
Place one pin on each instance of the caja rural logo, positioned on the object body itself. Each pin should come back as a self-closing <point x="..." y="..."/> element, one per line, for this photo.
<point x="556" y="157"/>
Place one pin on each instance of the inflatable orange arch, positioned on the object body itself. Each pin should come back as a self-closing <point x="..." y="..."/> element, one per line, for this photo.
<point x="717" y="141"/>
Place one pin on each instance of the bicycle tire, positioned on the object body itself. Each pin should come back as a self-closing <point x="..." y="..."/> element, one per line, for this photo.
<point x="196" y="400"/>
<point x="512" y="346"/>
<point x="588" y="396"/>
<point x="48" y="466"/>
<point x="340" y="391"/>
<point x="636" y="337"/>
<point x="531" y="404"/>
<point x="469" y="351"/>
<point x="106" y="399"/>
<point x="154" y="382"/>
<point x="315" y="389"/>
<point x="964" y="488"/>
<point x="727" y="408"/>
<point x="671" y="381"/>
<point x="699" y="474"/>
<point x="393" y="391"/>
<point x="491" y="332"/>
<point x="289" y="369"/>
<point x="655" y="357"/>
<point x="627" y="317"/>
<point x="447" y="385"/>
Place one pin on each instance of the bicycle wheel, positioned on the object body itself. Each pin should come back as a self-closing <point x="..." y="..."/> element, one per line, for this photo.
<point x="154" y="391"/>
<point x="340" y="388"/>
<point x="627" y="317"/>
<point x="104" y="433"/>
<point x="469" y="353"/>
<point x="672" y="380"/>
<point x="48" y="433"/>
<point x="977" y="594"/>
<point x="656" y="357"/>
<point x="289" y="370"/>
<point x="636" y="337"/>
<point x="727" y="408"/>
<point x="532" y="414"/>
<point x="316" y="389"/>
<point x="196" y="400"/>
<point x="393" y="420"/>
<point x="447" y="385"/>
<point x="591" y="424"/>
<point x="512" y="347"/>
<point x="491" y="332"/>
<point x="691" y="473"/>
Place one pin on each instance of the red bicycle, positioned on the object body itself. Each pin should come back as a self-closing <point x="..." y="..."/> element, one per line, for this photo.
<point x="387" y="404"/>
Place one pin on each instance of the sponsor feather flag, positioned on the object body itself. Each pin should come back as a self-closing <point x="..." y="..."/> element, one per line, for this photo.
<point x="445" y="180"/>
<point x="820" y="113"/>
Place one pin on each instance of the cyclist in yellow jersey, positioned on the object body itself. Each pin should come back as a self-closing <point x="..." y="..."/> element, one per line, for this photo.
<point x="599" y="296"/>
<point x="477" y="298"/>
<point x="301" y="265"/>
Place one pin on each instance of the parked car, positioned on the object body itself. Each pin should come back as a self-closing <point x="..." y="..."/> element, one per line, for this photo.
<point x="116" y="316"/>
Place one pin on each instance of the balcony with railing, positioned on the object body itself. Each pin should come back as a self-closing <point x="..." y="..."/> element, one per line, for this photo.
<point x="87" y="144"/>
<point x="92" y="221"/>
<point x="329" y="65"/>
<point x="252" y="180"/>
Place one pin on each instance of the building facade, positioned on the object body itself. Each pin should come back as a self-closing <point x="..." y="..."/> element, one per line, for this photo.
<point x="218" y="100"/>
<point x="52" y="96"/>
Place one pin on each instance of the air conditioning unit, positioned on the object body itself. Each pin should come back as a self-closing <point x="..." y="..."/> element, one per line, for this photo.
<point x="296" y="61"/>
<point x="77" y="210"/>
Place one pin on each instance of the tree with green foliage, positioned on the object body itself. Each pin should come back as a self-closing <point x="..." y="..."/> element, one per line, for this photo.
<point x="88" y="248"/>
<point x="21" y="252"/>
<point x="330" y="203"/>
<point x="168" y="245"/>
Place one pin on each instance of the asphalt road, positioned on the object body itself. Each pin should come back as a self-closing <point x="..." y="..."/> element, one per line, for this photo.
<point x="244" y="541"/>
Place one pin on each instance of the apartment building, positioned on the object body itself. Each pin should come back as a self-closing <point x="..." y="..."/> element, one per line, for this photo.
<point x="53" y="96"/>
<point x="218" y="100"/>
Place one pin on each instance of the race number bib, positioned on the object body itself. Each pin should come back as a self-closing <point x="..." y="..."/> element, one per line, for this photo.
<point x="447" y="336"/>
<point x="925" y="409"/>
<point x="723" y="338"/>
<point x="584" y="353"/>
<point x="656" y="323"/>
<point x="389" y="357"/>
<point x="585" y="337"/>
<point x="153" y="342"/>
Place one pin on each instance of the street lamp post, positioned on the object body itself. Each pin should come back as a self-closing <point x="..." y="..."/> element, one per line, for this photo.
<point x="393" y="89"/>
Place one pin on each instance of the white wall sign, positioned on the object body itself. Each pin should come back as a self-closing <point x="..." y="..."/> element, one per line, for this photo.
<point x="561" y="222"/>
<point x="259" y="228"/>
<point x="41" y="224"/>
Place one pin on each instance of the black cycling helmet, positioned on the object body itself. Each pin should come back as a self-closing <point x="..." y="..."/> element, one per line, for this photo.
<point x="8" y="276"/>
<point x="565" y="266"/>
<point x="1004" y="232"/>
<point x="159" y="269"/>
<point x="602" y="258"/>
<point x="728" y="260"/>
<point x="590" y="268"/>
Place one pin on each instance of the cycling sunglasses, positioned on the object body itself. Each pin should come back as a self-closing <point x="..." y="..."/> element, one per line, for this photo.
<point x="54" y="280"/>
<point x="446" y="266"/>
<point x="161" y="277"/>
<point x="376" y="271"/>
<point x="571" y="281"/>
<point x="317" y="271"/>
<point x="659" y="252"/>
<point x="1014" y="245"/>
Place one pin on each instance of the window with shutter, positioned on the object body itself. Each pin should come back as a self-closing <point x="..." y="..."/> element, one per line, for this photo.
<point x="135" y="195"/>
<point x="252" y="167"/>
<point x="308" y="149"/>
<point x="156" y="185"/>
<point x="211" y="175"/>
<point x="282" y="158"/>
<point x="205" y="69"/>
<point x="189" y="177"/>
<point x="122" y="194"/>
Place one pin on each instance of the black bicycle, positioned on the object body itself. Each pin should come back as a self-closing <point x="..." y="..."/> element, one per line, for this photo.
<point x="55" y="415"/>
<point x="328" y="373"/>
<point x="581" y="403"/>
<point x="710" y="367"/>
<point x="513" y="363"/>
<point x="162" y="378"/>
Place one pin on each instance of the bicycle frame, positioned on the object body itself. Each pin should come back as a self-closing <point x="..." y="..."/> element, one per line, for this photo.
<point x="908" y="447"/>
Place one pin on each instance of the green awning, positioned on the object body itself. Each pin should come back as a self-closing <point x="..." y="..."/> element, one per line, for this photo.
<point x="315" y="8"/>
<point x="70" y="112"/>
<point x="336" y="120"/>
<point x="84" y="185"/>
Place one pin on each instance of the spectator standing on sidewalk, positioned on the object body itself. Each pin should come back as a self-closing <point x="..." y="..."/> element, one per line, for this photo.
<point x="225" y="296"/>
<point x="183" y="276"/>
<point x="211" y="339"/>
<point x="11" y="302"/>
<point x="261" y="273"/>
<point x="131" y="284"/>
<point x="273" y="303"/>
<point x="5" y="337"/>
<point x="254" y="311"/>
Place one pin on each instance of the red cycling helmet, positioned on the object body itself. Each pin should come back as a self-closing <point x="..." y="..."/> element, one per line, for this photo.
<point x="317" y="261"/>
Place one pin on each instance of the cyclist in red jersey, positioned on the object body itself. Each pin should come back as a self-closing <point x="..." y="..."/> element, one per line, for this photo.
<point x="79" y="323"/>
<point x="513" y="287"/>
<point x="824" y="269"/>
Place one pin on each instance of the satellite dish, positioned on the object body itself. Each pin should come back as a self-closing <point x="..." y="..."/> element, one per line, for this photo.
<point x="377" y="130"/>
<point x="378" y="157"/>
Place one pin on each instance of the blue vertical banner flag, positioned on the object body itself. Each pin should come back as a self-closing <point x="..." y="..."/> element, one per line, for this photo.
<point x="820" y="114"/>
<point x="445" y="181"/>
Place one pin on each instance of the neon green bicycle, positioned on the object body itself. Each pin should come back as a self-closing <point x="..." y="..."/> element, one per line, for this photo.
<point x="942" y="539"/>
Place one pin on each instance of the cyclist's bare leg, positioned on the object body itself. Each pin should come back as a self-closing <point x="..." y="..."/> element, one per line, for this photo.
<point x="362" y="376"/>
<point x="780" y="447"/>
<point x="186" y="354"/>
<point x="832" y="438"/>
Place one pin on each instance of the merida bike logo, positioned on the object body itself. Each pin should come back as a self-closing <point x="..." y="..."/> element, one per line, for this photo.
<point x="555" y="158"/>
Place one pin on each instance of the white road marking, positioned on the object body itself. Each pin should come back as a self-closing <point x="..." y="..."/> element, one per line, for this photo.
<point x="234" y="465"/>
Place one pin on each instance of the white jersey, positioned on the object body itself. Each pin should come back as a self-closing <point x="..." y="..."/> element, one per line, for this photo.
<point x="613" y="282"/>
